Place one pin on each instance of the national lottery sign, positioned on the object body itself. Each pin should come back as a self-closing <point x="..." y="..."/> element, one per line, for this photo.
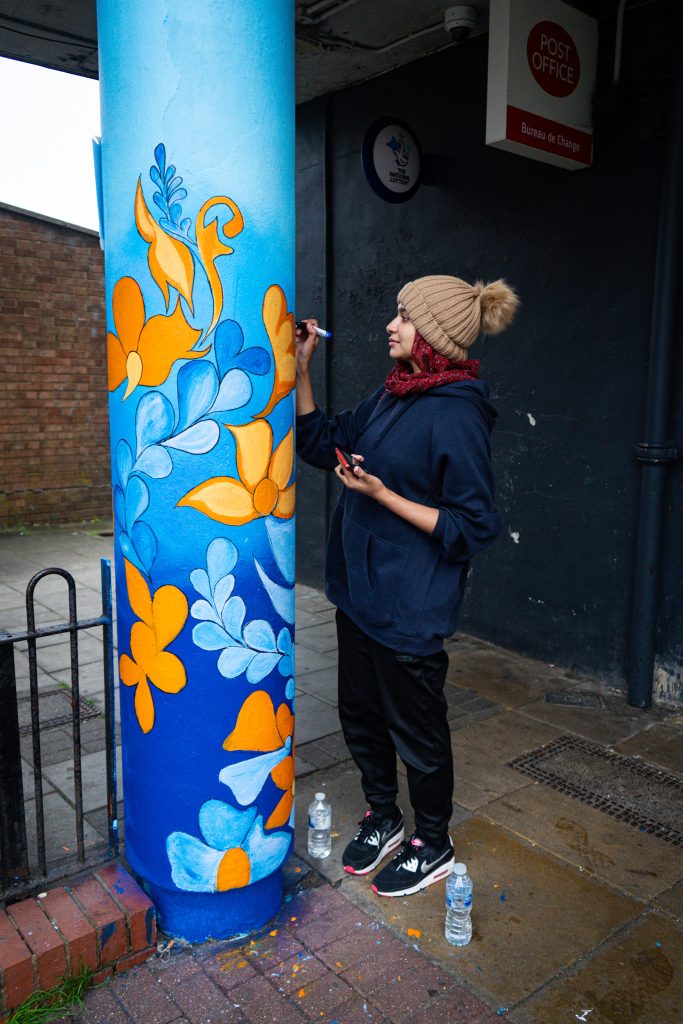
<point x="541" y="78"/>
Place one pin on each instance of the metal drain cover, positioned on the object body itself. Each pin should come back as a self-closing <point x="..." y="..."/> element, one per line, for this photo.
<point x="575" y="700"/>
<point x="55" y="710"/>
<point x="624" y="787"/>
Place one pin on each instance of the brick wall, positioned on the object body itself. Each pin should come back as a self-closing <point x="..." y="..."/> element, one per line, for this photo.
<point x="54" y="443"/>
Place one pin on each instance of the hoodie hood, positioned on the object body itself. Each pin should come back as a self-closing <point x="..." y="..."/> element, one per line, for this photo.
<point x="475" y="391"/>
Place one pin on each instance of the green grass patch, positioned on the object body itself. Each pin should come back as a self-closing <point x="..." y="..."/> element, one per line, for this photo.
<point x="41" y="1007"/>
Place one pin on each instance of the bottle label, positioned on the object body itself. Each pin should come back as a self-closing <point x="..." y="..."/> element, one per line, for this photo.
<point x="467" y="902"/>
<point x="454" y="902"/>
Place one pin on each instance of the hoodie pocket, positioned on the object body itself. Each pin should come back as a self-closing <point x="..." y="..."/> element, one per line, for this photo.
<point x="374" y="568"/>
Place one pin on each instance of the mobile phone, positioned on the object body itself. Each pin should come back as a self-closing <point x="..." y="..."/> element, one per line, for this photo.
<point x="345" y="461"/>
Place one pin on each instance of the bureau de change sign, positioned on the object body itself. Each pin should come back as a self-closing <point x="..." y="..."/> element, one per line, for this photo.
<point x="541" y="77"/>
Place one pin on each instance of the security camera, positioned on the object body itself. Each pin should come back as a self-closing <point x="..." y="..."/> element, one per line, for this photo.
<point x="460" y="21"/>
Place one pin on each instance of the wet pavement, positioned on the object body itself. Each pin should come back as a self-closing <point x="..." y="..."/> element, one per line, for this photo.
<point x="578" y="915"/>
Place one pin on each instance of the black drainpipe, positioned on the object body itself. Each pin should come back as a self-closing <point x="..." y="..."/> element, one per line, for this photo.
<point x="655" y="454"/>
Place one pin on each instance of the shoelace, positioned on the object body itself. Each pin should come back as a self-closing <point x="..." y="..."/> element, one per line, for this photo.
<point x="407" y="857"/>
<point x="367" y="827"/>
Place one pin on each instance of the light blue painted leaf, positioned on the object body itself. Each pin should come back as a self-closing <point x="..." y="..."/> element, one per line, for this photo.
<point x="282" y="598"/>
<point x="137" y="500"/>
<point x="124" y="462"/>
<point x="246" y="779"/>
<point x="223" y="826"/>
<point x="266" y="852"/>
<point x="160" y="156"/>
<point x="160" y="201"/>
<point x="261" y="666"/>
<point x="155" y="176"/>
<point x="155" y="462"/>
<point x="222" y="592"/>
<point x="200" y="582"/>
<point x="153" y="419"/>
<point x="228" y="341"/>
<point x="194" y="866"/>
<point x="185" y="224"/>
<point x="234" y="392"/>
<point x="253" y="360"/>
<point x="233" y="661"/>
<point x="204" y="611"/>
<point x="285" y="667"/>
<point x="129" y="552"/>
<point x="146" y="545"/>
<point x="170" y="171"/>
<point x="175" y="183"/>
<point x="290" y="689"/>
<point x="210" y="637"/>
<point x="260" y="636"/>
<point x="196" y="440"/>
<point x="284" y="642"/>
<point x="233" y="616"/>
<point x="281" y="537"/>
<point x="221" y="559"/>
<point x="197" y="389"/>
<point x="119" y="507"/>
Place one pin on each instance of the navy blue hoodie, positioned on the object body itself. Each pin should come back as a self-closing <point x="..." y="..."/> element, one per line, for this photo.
<point x="402" y="586"/>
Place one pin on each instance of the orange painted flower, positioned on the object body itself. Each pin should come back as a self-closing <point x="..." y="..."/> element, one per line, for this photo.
<point x="279" y="326"/>
<point x="259" y="728"/>
<point x="143" y="351"/>
<point x="162" y="618"/>
<point x="263" y="487"/>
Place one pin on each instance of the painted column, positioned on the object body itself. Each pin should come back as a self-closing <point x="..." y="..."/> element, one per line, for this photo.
<point x="198" y="218"/>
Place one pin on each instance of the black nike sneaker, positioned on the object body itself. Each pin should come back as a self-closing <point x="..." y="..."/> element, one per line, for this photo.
<point x="375" y="838"/>
<point x="414" y="867"/>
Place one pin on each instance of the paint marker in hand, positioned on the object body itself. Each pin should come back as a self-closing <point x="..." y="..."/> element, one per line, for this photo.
<point x="303" y="327"/>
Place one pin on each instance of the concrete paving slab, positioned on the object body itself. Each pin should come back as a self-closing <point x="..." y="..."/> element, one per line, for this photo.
<point x="635" y="980"/>
<point x="305" y="618"/>
<point x="502" y="677"/>
<point x="322" y="684"/>
<point x="60" y="829"/>
<point x="314" y="718"/>
<point x="628" y="859"/>
<point x="93" y="773"/>
<point x="532" y="917"/>
<point x="321" y="637"/>
<point x="614" y="723"/>
<point x="29" y="783"/>
<point x="662" y="744"/>
<point x="307" y="660"/>
<point x="671" y="901"/>
<point x="9" y="598"/>
<point x="55" y="745"/>
<point x="56" y="658"/>
<point x="326" y="751"/>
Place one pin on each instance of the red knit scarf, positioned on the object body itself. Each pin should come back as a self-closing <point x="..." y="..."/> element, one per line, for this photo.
<point x="435" y="369"/>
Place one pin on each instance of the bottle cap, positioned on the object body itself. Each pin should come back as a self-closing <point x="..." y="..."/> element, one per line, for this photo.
<point x="460" y="869"/>
<point x="320" y="796"/>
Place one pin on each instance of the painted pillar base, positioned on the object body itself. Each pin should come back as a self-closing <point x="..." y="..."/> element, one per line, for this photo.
<point x="196" y="917"/>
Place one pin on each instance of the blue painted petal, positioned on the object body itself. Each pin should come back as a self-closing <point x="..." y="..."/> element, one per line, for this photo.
<point x="233" y="661"/>
<point x="282" y="598"/>
<point x="155" y="462"/>
<point x="119" y="507"/>
<point x="290" y="689"/>
<point x="223" y="826"/>
<point x="260" y="636"/>
<point x="200" y="582"/>
<point x="281" y="536"/>
<point x="194" y="865"/>
<point x="247" y="778"/>
<point x="154" y="420"/>
<point x="205" y="611"/>
<point x="228" y="341"/>
<point x="197" y="389"/>
<point x="146" y="544"/>
<point x="137" y="500"/>
<point x="285" y="667"/>
<point x="284" y="641"/>
<point x="261" y="666"/>
<point x="160" y="201"/>
<point x="233" y="616"/>
<point x="196" y="440"/>
<point x="221" y="559"/>
<point x="222" y="592"/>
<point x="129" y="552"/>
<point x="253" y="360"/>
<point x="124" y="462"/>
<point x="266" y="852"/>
<point x="210" y="637"/>
<point x="155" y="176"/>
<point x="160" y="156"/>
<point x="234" y="392"/>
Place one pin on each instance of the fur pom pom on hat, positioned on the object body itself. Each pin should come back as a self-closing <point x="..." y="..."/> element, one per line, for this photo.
<point x="450" y="313"/>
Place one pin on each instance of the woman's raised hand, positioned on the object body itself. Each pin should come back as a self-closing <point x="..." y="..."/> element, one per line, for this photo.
<point x="305" y="344"/>
<point x="358" y="480"/>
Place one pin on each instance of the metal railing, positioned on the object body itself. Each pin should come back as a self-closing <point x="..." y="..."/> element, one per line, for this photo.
<point x="17" y="874"/>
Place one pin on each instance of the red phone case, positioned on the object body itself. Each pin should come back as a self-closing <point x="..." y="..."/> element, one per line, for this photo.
<point x="343" y="459"/>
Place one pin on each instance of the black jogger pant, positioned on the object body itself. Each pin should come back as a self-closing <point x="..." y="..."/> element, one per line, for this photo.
<point x="392" y="703"/>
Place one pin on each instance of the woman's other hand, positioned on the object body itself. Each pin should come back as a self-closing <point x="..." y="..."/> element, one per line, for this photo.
<point x="358" y="480"/>
<point x="305" y="345"/>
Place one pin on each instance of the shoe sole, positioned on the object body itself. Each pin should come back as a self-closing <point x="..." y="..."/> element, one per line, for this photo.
<point x="438" y="875"/>
<point x="387" y="848"/>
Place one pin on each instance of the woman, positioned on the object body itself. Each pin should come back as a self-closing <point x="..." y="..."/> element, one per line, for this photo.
<point x="401" y="538"/>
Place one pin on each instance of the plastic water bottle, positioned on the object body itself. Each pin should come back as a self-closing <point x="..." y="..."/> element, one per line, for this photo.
<point x="319" y="827"/>
<point x="458" y="906"/>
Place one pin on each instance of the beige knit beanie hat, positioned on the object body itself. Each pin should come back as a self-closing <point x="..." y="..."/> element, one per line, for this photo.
<point x="450" y="313"/>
